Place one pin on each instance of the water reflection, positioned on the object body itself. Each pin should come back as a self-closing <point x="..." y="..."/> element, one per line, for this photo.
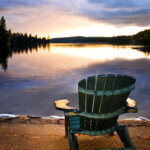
<point x="5" y="54"/>
<point x="100" y="52"/>
<point x="36" y="77"/>
<point x="144" y="49"/>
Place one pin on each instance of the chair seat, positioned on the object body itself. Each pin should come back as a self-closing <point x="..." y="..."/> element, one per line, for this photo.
<point x="95" y="133"/>
<point x="74" y="122"/>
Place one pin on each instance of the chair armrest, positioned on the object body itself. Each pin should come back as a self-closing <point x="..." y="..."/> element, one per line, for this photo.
<point x="63" y="105"/>
<point x="131" y="106"/>
<point x="72" y="114"/>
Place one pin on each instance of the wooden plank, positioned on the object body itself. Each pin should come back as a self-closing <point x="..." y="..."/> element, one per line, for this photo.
<point x="123" y="81"/>
<point x="119" y="100"/>
<point x="107" y="100"/>
<point x="100" y="86"/>
<point x="120" y="82"/>
<point x="124" y="136"/>
<point x="114" y="102"/>
<point x="82" y="101"/>
<point x="102" y="96"/>
<point x="90" y="99"/>
<point x="74" y="126"/>
<point x="106" y="104"/>
<point x="132" y="108"/>
<point x="90" y="86"/>
<point x="131" y="102"/>
<point x="111" y="79"/>
<point x="82" y="84"/>
<point x="63" y="105"/>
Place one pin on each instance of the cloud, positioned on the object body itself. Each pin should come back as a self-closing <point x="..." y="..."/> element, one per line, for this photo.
<point x="5" y="4"/>
<point x="122" y="17"/>
<point x="121" y="3"/>
<point x="24" y="14"/>
<point x="122" y="12"/>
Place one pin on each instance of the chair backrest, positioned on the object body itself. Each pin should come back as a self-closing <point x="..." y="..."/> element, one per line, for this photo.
<point x="103" y="94"/>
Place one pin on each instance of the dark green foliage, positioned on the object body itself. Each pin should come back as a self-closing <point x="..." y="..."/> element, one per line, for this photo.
<point x="4" y="35"/>
<point x="23" y="41"/>
<point x="142" y="37"/>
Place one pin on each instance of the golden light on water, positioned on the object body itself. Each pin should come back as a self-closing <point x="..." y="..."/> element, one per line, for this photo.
<point x="98" y="52"/>
<point x="56" y="57"/>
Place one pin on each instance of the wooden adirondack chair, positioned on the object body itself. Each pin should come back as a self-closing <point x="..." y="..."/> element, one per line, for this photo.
<point x="102" y="99"/>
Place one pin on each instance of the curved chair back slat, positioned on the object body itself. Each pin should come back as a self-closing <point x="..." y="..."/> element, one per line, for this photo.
<point x="101" y="95"/>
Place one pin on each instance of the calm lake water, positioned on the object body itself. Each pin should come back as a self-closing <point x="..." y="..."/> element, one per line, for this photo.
<point x="36" y="78"/>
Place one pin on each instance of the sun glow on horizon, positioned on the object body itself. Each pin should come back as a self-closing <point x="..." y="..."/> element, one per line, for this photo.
<point x="67" y="26"/>
<point x="96" y="30"/>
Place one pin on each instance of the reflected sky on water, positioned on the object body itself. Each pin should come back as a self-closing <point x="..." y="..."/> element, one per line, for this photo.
<point x="35" y="78"/>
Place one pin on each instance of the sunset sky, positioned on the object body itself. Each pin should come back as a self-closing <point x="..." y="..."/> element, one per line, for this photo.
<point x="59" y="18"/>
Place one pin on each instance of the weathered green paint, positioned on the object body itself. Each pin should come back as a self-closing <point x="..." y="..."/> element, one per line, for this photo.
<point x="89" y="101"/>
<point x="82" y="99"/>
<point x="108" y="93"/>
<point x="66" y="124"/>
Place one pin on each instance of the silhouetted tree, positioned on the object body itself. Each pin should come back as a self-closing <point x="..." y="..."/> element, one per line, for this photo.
<point x="22" y="41"/>
<point x="5" y="37"/>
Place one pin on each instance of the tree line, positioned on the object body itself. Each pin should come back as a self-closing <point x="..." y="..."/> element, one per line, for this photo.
<point x="142" y="38"/>
<point x="22" y="41"/>
<point x="16" y="42"/>
<point x="82" y="39"/>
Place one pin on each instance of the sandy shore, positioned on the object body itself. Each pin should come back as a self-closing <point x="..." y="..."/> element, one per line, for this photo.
<point x="33" y="133"/>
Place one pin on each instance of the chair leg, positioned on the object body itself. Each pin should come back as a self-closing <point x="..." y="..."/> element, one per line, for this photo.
<point x="66" y="125"/>
<point x="124" y="136"/>
<point x="70" y="140"/>
<point x="73" y="143"/>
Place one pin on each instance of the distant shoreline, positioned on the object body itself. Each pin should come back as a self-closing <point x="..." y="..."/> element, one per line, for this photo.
<point x="121" y="40"/>
<point x="141" y="38"/>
